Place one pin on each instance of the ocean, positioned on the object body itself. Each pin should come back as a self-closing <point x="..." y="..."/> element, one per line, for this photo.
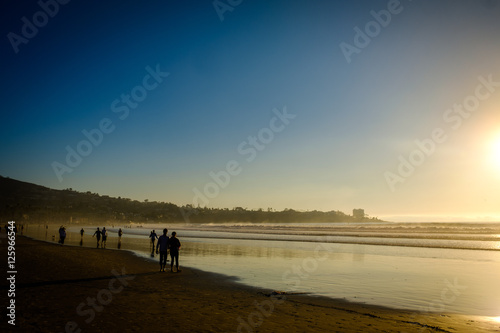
<point x="422" y="267"/>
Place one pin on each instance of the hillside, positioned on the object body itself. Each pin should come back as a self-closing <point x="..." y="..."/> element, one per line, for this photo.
<point x="31" y="203"/>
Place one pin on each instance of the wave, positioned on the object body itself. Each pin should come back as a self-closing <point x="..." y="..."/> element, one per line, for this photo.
<point x="470" y="236"/>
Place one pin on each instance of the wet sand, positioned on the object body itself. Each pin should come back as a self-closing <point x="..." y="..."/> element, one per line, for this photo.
<point x="68" y="289"/>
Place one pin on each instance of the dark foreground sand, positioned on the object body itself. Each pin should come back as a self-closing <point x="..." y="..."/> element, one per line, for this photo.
<point x="65" y="289"/>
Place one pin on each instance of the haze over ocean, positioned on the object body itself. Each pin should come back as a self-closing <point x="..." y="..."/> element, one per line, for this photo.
<point x="391" y="106"/>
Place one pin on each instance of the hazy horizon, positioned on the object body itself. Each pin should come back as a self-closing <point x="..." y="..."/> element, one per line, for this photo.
<point x="390" y="106"/>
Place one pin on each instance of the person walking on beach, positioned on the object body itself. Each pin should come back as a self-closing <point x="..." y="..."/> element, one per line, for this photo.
<point x="97" y="234"/>
<point x="174" y="245"/>
<point x="81" y="236"/>
<point x="104" y="237"/>
<point x="162" y="245"/>
<point x="120" y="233"/>
<point x="62" y="235"/>
<point x="153" y="237"/>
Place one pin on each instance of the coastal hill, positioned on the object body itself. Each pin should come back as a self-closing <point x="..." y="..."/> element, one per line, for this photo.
<point x="30" y="203"/>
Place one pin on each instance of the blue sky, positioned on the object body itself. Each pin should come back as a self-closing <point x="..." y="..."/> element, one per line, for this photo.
<point x="349" y="121"/>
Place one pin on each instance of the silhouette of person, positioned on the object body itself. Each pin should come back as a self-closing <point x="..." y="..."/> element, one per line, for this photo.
<point x="81" y="233"/>
<point x="104" y="237"/>
<point x="174" y="245"/>
<point x="163" y="246"/>
<point x="97" y="234"/>
<point x="153" y="237"/>
<point x="62" y="234"/>
<point x="120" y="233"/>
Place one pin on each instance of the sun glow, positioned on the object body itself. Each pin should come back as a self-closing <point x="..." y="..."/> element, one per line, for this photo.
<point x="494" y="151"/>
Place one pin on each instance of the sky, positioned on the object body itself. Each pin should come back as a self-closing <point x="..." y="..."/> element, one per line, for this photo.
<point x="390" y="106"/>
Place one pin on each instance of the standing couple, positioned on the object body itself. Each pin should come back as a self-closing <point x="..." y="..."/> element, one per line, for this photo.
<point x="164" y="244"/>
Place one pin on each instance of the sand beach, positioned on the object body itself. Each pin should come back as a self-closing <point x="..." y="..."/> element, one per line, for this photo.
<point x="73" y="289"/>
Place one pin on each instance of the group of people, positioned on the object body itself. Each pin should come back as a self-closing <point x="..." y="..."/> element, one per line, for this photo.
<point x="102" y="236"/>
<point x="98" y="234"/>
<point x="164" y="245"/>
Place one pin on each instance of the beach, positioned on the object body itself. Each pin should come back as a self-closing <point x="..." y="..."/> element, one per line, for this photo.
<point x="418" y="274"/>
<point x="75" y="289"/>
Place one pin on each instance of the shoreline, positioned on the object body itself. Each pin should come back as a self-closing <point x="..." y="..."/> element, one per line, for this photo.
<point x="67" y="288"/>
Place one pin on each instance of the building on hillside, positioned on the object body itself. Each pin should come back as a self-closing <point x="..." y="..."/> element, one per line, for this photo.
<point x="358" y="214"/>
